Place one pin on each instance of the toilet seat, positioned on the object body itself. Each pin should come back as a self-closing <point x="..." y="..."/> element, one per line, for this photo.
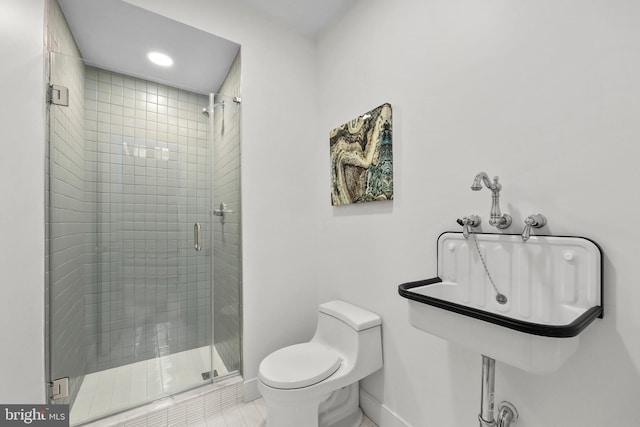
<point x="299" y="366"/>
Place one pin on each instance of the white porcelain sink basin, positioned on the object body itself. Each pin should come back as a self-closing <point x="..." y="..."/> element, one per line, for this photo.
<point x="553" y="287"/>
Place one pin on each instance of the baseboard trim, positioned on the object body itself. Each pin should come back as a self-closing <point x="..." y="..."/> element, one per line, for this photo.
<point x="380" y="413"/>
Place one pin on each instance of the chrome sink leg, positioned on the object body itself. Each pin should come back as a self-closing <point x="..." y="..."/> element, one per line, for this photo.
<point x="506" y="411"/>
<point x="487" y="391"/>
<point x="507" y="414"/>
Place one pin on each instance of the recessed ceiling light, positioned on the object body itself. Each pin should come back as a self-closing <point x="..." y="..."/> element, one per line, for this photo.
<point x="160" y="59"/>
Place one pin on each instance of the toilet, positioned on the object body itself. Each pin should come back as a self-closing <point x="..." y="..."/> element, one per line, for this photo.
<point x="316" y="384"/>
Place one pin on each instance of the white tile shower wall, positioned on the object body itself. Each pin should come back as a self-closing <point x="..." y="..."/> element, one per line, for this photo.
<point x="148" y="151"/>
<point x="227" y="235"/>
<point x="279" y="78"/>
<point x="69" y="223"/>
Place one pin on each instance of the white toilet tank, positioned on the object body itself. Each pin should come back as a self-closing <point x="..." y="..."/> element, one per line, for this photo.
<point x="352" y="331"/>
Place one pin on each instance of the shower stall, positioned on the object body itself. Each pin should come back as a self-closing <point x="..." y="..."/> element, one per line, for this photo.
<point x="143" y="234"/>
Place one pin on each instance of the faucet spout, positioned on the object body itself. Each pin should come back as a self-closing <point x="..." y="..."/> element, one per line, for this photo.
<point x="479" y="179"/>
<point x="496" y="218"/>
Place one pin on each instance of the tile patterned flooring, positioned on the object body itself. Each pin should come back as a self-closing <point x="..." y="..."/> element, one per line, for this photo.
<point x="251" y="414"/>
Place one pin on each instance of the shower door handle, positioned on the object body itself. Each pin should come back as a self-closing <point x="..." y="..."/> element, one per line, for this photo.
<point x="197" y="237"/>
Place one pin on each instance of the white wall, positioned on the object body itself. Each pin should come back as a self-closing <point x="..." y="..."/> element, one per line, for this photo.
<point x="543" y="94"/>
<point x="22" y="201"/>
<point x="279" y="195"/>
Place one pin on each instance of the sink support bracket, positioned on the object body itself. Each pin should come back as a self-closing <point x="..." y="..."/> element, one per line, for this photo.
<point x="507" y="413"/>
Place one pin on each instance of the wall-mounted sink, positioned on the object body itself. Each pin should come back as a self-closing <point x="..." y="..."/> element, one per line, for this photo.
<point x="553" y="287"/>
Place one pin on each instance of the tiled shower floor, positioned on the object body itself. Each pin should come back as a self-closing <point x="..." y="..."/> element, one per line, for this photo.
<point x="113" y="390"/>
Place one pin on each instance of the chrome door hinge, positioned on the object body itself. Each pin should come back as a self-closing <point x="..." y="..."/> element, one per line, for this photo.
<point x="58" y="95"/>
<point x="59" y="388"/>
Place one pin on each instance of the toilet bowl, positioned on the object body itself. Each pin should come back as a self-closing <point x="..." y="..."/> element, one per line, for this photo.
<point x="316" y="384"/>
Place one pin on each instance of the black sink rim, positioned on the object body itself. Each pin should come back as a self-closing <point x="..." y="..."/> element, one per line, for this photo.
<point x="555" y="331"/>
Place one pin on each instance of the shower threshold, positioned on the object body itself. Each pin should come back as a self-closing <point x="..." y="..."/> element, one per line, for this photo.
<point x="118" y="389"/>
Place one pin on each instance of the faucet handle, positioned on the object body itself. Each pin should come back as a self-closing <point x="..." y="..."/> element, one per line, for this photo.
<point x="536" y="221"/>
<point x="467" y="222"/>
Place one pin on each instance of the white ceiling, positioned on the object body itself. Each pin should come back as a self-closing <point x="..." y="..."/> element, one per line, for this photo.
<point x="306" y="16"/>
<point x="116" y="35"/>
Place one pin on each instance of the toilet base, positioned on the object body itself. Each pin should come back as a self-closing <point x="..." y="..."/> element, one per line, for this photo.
<point x="353" y="420"/>
<point x="302" y="413"/>
<point x="339" y="409"/>
<point x="342" y="408"/>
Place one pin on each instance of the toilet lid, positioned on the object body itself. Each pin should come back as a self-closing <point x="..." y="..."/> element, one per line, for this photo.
<point x="298" y="366"/>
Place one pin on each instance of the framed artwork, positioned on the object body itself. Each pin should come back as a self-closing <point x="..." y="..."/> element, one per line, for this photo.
<point x="362" y="158"/>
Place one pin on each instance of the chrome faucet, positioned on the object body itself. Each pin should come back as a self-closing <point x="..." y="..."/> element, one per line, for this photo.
<point x="467" y="222"/>
<point x="535" y="221"/>
<point x="496" y="218"/>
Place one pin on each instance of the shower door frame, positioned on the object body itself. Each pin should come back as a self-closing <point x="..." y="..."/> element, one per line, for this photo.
<point x="51" y="307"/>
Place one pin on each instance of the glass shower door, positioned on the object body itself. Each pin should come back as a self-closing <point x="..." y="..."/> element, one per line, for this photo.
<point x="69" y="233"/>
<point x="227" y="228"/>
<point x="130" y="240"/>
